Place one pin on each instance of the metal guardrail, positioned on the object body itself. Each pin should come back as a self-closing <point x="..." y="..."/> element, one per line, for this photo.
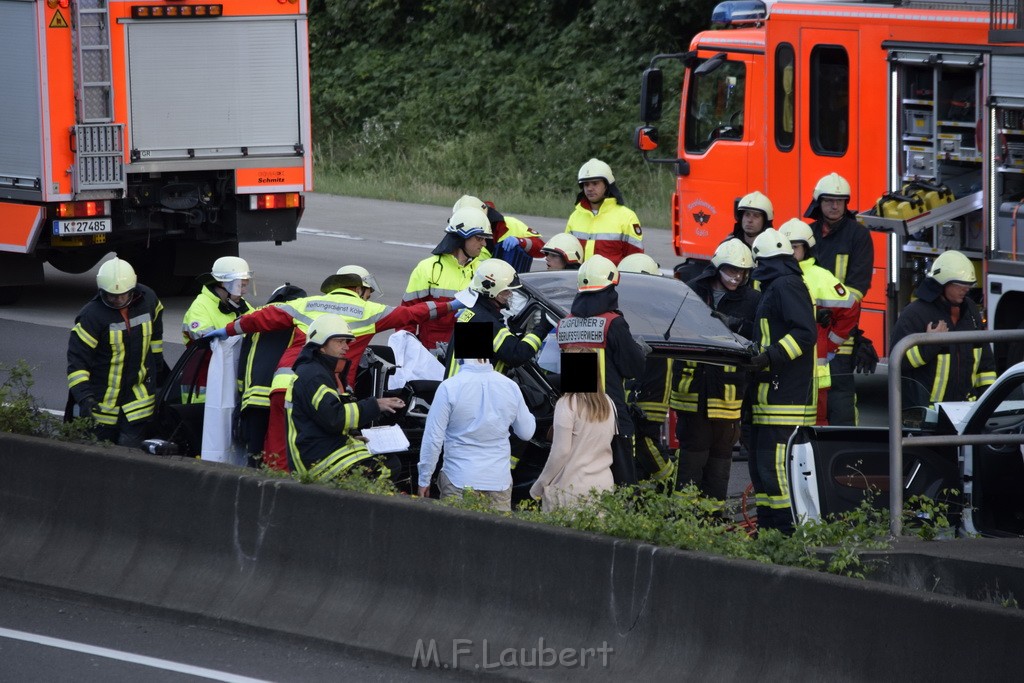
<point x="896" y="439"/>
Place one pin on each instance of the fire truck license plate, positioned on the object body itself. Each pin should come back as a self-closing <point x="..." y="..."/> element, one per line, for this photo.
<point x="84" y="226"/>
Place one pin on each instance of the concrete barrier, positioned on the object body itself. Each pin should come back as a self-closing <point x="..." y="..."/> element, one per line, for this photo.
<point x="451" y="588"/>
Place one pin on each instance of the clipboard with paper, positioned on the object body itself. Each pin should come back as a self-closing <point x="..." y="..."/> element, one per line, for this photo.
<point x="389" y="439"/>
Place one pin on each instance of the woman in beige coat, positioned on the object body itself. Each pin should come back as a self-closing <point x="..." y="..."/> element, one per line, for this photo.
<point x="581" y="450"/>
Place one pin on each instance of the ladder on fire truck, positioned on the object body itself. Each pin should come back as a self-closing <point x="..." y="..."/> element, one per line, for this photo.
<point x="99" y="142"/>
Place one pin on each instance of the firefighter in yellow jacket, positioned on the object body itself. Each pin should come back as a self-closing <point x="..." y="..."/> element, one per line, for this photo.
<point x="448" y="270"/>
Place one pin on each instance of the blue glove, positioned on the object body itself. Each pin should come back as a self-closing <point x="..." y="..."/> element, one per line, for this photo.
<point x="456" y="305"/>
<point x="215" y="334"/>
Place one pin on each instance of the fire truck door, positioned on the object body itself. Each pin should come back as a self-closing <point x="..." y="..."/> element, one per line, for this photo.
<point x="828" y="106"/>
<point x="722" y="124"/>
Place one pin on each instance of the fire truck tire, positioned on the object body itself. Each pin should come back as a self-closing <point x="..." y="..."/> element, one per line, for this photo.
<point x="10" y="295"/>
<point x="1014" y="351"/>
<point x="156" y="269"/>
<point x="74" y="263"/>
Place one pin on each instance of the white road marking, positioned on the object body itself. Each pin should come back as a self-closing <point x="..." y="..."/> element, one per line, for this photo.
<point x="410" y="244"/>
<point x="328" y="233"/>
<point x="342" y="236"/>
<point x="151" y="662"/>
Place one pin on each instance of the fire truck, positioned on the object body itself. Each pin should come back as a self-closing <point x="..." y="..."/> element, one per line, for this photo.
<point x="166" y="131"/>
<point x="919" y="105"/>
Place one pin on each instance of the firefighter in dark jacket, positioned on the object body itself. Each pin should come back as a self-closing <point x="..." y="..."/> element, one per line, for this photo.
<point x="843" y="246"/>
<point x="595" y="322"/>
<point x="783" y="392"/>
<point x="952" y="372"/>
<point x="321" y="413"/>
<point x="493" y="282"/>
<point x="115" y="353"/>
<point x="260" y="354"/>
<point x="648" y="394"/>
<point x="708" y="398"/>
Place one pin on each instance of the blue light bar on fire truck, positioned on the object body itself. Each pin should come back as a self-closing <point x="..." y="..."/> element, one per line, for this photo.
<point x="739" y="13"/>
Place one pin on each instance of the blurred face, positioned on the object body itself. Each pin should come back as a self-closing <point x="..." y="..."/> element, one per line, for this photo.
<point x="365" y="293"/>
<point x="117" y="300"/>
<point x="554" y="261"/>
<point x="955" y="293"/>
<point x="799" y="251"/>
<point x="752" y="222"/>
<point x="594" y="190"/>
<point x="832" y="208"/>
<point x="732" y="277"/>
<point x="473" y="245"/>
<point x="503" y="298"/>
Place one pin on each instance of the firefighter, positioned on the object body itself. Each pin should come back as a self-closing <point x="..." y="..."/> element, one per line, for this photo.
<point x="836" y="309"/>
<point x="754" y="214"/>
<point x="260" y="354"/>
<point x="321" y="414"/>
<point x="595" y="322"/>
<point x="783" y="393"/>
<point x="843" y="247"/>
<point x="346" y="293"/>
<point x="219" y="302"/>
<point x="437" y="278"/>
<point x="952" y="372"/>
<point x="648" y="394"/>
<point x="563" y="252"/>
<point x="708" y="399"/>
<point x="514" y="241"/>
<point x="494" y="281"/>
<point x="115" y="352"/>
<point x="601" y="221"/>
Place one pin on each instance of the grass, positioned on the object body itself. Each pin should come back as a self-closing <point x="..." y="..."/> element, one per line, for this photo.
<point x="649" y="195"/>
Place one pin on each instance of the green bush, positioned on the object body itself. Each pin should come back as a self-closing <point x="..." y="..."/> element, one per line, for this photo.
<point x="20" y="413"/>
<point x="428" y="101"/>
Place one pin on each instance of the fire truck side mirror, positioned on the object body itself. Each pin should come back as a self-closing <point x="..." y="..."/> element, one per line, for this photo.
<point x="650" y="96"/>
<point x="645" y="138"/>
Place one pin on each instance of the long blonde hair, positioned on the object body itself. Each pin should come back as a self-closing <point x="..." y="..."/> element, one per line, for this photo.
<point x="593" y="406"/>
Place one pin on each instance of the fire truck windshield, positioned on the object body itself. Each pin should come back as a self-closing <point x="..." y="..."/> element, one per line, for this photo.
<point x="715" y="106"/>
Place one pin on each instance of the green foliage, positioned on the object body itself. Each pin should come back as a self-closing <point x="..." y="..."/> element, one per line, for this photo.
<point x="20" y="413"/>
<point x="489" y="97"/>
<point x="929" y="518"/>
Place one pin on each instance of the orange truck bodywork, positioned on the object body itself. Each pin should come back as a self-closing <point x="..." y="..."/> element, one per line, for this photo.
<point x="904" y="66"/>
<point x="156" y="124"/>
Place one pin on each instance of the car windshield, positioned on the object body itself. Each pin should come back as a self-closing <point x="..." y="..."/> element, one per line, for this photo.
<point x="663" y="311"/>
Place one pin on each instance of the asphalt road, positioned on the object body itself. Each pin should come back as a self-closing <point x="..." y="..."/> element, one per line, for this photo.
<point x="50" y="636"/>
<point x="387" y="238"/>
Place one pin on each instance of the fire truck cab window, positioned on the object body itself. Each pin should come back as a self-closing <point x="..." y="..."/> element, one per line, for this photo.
<point x="830" y="100"/>
<point x="715" y="105"/>
<point x="785" y="66"/>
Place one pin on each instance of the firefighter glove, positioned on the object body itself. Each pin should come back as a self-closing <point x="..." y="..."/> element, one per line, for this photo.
<point x="86" y="406"/>
<point x="760" y="361"/>
<point x="645" y="348"/>
<point x="456" y="305"/>
<point x="731" y="321"/>
<point x="865" y="358"/>
<point x="824" y="317"/>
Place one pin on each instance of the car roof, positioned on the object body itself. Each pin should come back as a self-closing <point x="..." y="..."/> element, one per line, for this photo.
<point x="662" y="311"/>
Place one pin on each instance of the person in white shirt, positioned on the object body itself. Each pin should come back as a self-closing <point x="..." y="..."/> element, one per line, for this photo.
<point x="470" y="416"/>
